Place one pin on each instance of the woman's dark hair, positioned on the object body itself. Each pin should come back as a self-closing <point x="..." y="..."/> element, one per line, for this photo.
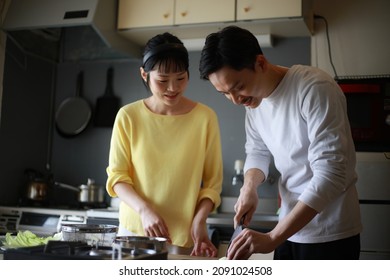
<point x="166" y="52"/>
<point x="232" y="46"/>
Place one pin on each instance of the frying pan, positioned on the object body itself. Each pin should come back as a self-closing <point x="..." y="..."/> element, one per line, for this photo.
<point x="74" y="113"/>
<point x="107" y="105"/>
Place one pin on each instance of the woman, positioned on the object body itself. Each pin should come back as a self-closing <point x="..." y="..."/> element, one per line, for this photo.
<point x="165" y="160"/>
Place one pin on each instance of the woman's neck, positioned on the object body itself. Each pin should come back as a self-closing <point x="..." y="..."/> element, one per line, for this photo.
<point x="184" y="106"/>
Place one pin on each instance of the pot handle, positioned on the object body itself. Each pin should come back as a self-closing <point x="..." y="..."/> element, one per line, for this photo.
<point x="65" y="186"/>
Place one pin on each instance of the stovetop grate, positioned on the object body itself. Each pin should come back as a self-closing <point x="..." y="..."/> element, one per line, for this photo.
<point x="64" y="250"/>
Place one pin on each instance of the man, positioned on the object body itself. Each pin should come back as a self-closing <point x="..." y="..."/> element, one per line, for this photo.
<point x="297" y="115"/>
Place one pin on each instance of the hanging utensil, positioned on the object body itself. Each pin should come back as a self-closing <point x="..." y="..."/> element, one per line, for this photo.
<point x="107" y="105"/>
<point x="74" y="113"/>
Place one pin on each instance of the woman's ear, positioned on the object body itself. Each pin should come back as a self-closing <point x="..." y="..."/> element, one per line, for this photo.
<point x="144" y="74"/>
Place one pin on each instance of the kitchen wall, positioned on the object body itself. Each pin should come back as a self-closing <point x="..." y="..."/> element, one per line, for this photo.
<point x="33" y="88"/>
<point x="359" y="36"/>
<point x="3" y="9"/>
<point x="87" y="153"/>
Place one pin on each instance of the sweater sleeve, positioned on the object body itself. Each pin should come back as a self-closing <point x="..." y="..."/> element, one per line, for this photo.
<point x="213" y="166"/>
<point x="120" y="154"/>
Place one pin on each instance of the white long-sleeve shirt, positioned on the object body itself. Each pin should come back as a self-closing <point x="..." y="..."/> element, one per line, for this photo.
<point x="303" y="124"/>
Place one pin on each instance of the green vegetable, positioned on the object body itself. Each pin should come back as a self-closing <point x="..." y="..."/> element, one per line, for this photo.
<point x="26" y="239"/>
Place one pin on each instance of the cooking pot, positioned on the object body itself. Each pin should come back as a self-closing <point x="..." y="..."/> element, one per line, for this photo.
<point x="102" y="235"/>
<point x="89" y="193"/>
<point x="159" y="244"/>
<point x="37" y="186"/>
<point x="37" y="190"/>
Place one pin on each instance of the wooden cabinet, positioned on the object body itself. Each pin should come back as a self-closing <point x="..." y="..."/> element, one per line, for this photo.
<point x="204" y="11"/>
<point x="145" y="13"/>
<point x="149" y="13"/>
<point x="266" y="9"/>
<point x="139" y="20"/>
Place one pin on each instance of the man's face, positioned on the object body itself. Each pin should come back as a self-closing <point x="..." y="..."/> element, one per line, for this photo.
<point x="241" y="87"/>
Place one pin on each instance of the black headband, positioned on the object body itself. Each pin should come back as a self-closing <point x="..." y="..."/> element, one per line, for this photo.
<point x="164" y="48"/>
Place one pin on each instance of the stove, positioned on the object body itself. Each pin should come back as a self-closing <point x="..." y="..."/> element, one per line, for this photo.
<point x="108" y="216"/>
<point x="69" y="250"/>
<point x="41" y="221"/>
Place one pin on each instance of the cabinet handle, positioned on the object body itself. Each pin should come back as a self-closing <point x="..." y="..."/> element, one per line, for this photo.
<point x="184" y="14"/>
<point x="166" y="15"/>
<point x="247" y="9"/>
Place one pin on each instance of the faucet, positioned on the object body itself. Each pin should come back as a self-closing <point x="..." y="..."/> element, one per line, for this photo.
<point x="239" y="175"/>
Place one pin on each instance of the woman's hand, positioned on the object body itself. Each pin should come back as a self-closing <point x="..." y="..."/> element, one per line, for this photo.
<point x="154" y="225"/>
<point x="202" y="244"/>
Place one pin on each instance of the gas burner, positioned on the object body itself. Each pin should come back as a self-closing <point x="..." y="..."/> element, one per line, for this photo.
<point x="69" y="250"/>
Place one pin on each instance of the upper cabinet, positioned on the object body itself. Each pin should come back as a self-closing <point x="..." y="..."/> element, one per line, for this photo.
<point x="152" y="13"/>
<point x="139" y="20"/>
<point x="266" y="9"/>
<point x="145" y="13"/>
<point x="204" y="11"/>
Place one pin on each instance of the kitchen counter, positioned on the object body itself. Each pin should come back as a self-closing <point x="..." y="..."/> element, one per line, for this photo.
<point x="263" y="221"/>
<point x="253" y="257"/>
<point x="187" y="257"/>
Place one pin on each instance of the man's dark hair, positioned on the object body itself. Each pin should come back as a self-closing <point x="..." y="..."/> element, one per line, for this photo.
<point x="232" y="46"/>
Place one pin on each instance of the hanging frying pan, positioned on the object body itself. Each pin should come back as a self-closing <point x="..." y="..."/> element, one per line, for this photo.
<point x="107" y="106"/>
<point x="74" y="113"/>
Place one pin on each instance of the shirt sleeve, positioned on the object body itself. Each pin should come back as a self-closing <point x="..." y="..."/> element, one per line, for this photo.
<point x="257" y="154"/>
<point x="324" y="109"/>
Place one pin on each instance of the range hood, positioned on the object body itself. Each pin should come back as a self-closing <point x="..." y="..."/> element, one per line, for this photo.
<point x="68" y="30"/>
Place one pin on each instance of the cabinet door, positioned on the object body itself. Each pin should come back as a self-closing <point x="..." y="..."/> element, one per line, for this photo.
<point x="204" y="11"/>
<point x="145" y="13"/>
<point x="265" y="9"/>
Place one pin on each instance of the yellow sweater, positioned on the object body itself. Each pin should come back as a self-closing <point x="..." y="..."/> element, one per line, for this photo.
<point x="172" y="162"/>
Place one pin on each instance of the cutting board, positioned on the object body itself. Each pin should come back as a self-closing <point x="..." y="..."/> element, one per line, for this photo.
<point x="187" y="257"/>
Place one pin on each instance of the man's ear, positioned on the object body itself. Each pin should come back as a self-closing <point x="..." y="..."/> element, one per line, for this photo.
<point x="260" y="61"/>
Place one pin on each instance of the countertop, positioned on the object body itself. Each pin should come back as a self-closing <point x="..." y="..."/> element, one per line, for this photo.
<point x="264" y="221"/>
<point x="186" y="257"/>
<point x="253" y="257"/>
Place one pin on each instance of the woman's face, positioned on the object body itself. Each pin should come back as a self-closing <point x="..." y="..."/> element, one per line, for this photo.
<point x="167" y="88"/>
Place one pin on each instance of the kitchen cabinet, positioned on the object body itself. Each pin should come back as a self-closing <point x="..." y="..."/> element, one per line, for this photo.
<point x="204" y="11"/>
<point x="145" y="13"/>
<point x="148" y="13"/>
<point x="140" y="20"/>
<point x="266" y="9"/>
